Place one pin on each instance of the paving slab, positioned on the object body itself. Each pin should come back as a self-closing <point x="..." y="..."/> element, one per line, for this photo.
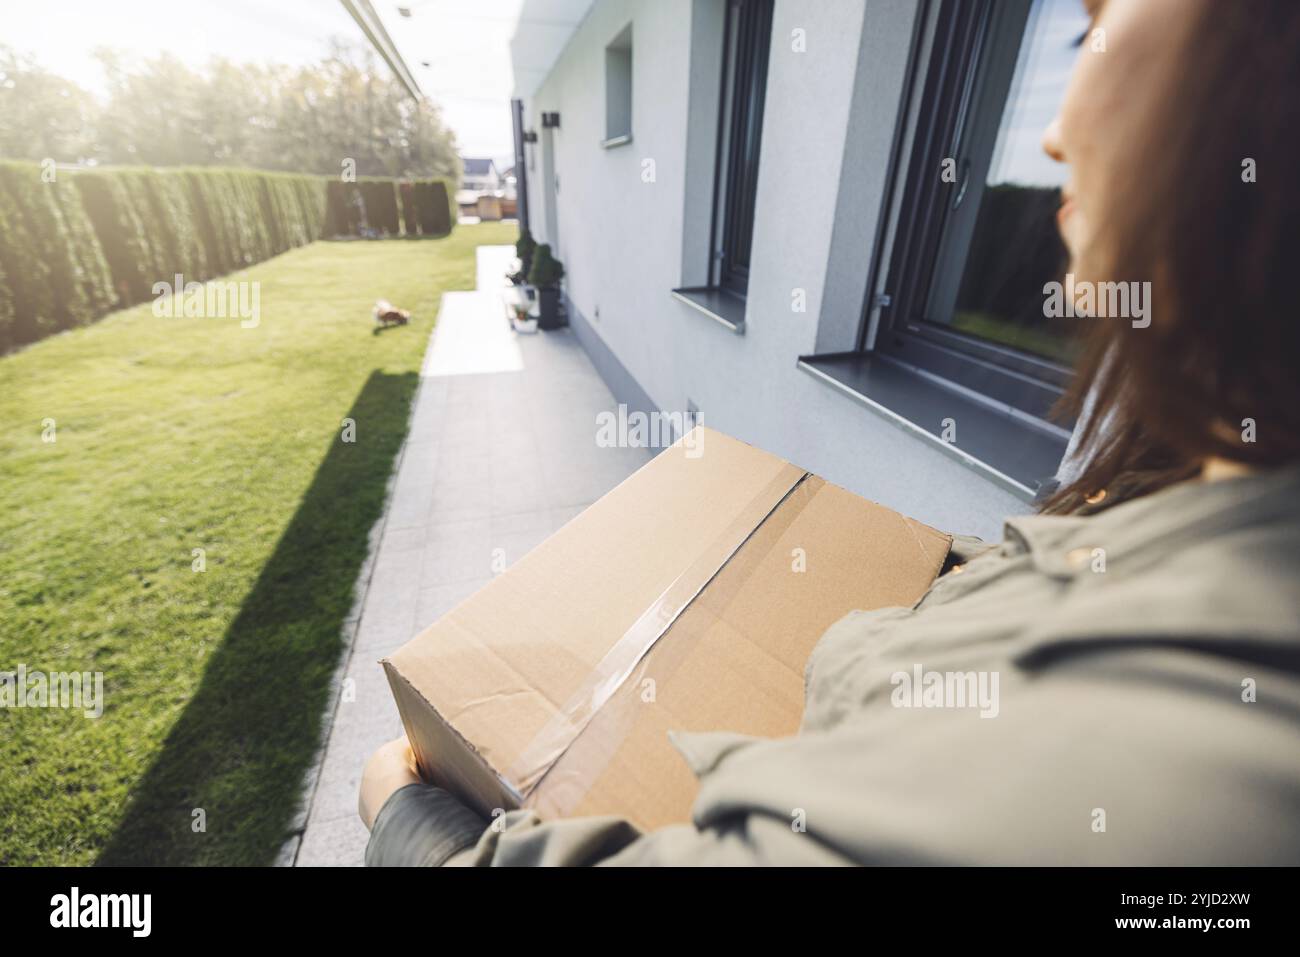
<point x="501" y="453"/>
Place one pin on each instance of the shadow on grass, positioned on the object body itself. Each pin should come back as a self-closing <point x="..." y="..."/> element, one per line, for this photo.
<point x="246" y="738"/>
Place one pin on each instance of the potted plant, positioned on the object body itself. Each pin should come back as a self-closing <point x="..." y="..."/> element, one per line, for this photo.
<point x="523" y="322"/>
<point x="545" y="274"/>
<point x="524" y="249"/>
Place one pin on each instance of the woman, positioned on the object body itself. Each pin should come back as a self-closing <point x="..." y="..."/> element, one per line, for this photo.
<point x="1145" y="628"/>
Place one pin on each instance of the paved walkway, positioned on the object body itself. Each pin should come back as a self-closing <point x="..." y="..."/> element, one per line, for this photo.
<point x="501" y="453"/>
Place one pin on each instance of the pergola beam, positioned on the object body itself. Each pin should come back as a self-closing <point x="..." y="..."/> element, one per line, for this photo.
<point x="368" y="20"/>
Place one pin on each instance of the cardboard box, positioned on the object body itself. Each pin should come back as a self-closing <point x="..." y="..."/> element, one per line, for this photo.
<point x="688" y="598"/>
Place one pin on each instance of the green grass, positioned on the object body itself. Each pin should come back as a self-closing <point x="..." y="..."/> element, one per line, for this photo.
<point x="1040" y="341"/>
<point x="177" y="434"/>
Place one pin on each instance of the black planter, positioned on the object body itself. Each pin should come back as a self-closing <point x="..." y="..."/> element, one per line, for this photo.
<point x="548" y="309"/>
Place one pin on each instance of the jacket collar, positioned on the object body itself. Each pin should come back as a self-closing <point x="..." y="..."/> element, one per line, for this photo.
<point x="1182" y="515"/>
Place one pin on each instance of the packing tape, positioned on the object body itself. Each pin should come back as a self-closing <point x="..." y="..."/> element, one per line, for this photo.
<point x="554" y="738"/>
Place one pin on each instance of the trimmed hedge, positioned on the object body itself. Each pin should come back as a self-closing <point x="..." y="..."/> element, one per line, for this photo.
<point x="92" y="240"/>
<point x="372" y="207"/>
<point x="53" y="267"/>
<point x="435" y="207"/>
<point x="380" y="199"/>
<point x="410" y="220"/>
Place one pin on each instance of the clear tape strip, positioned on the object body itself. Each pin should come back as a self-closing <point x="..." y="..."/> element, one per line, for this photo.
<point x="554" y="738"/>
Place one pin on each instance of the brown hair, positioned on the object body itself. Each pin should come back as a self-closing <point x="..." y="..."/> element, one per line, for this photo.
<point x="1222" y="257"/>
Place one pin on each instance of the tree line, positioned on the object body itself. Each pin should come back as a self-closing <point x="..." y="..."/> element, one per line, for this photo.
<point x="163" y="112"/>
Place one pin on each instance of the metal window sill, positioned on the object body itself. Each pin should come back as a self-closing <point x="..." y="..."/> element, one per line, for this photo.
<point x="725" y="308"/>
<point x="615" y="141"/>
<point x="1008" y="447"/>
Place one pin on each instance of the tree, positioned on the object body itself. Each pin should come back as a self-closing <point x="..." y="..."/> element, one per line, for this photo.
<point x="42" y="115"/>
<point x="160" y="112"/>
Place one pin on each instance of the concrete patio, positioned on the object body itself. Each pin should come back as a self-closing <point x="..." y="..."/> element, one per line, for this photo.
<point x="501" y="453"/>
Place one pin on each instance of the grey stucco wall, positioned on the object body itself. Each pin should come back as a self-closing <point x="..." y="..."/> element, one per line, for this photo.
<point x="627" y="242"/>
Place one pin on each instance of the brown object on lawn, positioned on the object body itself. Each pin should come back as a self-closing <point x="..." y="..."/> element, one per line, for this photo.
<point x="386" y="314"/>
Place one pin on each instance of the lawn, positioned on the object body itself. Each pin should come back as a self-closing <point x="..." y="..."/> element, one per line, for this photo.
<point x="171" y="435"/>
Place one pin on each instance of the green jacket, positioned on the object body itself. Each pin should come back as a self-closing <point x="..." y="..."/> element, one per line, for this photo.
<point x="1121" y="688"/>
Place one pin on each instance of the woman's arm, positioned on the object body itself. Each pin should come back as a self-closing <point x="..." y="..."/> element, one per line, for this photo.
<point x="414" y="824"/>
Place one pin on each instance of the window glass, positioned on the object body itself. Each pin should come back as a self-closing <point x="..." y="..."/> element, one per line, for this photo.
<point x="749" y="33"/>
<point x="1001" y="237"/>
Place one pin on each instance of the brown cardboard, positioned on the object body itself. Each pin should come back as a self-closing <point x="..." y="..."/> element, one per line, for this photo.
<point x="673" y="603"/>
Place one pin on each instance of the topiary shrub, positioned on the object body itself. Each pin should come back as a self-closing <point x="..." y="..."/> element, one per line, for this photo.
<point x="546" y="271"/>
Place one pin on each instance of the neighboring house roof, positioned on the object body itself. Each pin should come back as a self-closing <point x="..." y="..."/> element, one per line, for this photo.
<point x="478" y="167"/>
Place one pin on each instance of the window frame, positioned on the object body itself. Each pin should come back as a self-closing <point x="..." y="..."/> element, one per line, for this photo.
<point x="619" y="90"/>
<point x="952" y="77"/>
<point x="743" y="84"/>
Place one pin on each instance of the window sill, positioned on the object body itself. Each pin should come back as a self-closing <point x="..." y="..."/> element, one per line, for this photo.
<point x="615" y="141"/>
<point x="1012" y="449"/>
<point x="725" y="308"/>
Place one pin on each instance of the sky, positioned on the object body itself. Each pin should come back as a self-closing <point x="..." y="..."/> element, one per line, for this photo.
<point x="468" y="75"/>
<point x="458" y="51"/>
<point x="1043" y="70"/>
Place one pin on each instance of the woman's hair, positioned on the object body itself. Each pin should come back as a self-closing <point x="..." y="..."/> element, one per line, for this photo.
<point x="1211" y="218"/>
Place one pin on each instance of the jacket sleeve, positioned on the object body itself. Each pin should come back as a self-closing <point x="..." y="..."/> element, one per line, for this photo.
<point x="522" y="839"/>
<point x="423" y="825"/>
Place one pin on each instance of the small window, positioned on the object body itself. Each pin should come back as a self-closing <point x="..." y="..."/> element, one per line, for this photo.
<point x="747" y="38"/>
<point x="618" y="89"/>
<point x="977" y="236"/>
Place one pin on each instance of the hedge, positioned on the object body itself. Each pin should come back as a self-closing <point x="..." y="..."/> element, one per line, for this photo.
<point x="93" y="240"/>
<point x="435" y="207"/>
<point x="6" y="303"/>
<point x="380" y="200"/>
<point x="410" y="220"/>
<point x="55" y="274"/>
<point x="370" y="207"/>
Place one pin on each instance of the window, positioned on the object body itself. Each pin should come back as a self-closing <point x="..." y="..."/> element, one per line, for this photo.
<point x="747" y="36"/>
<point x="955" y="345"/>
<point x="618" y="90"/>
<point x="976" y="238"/>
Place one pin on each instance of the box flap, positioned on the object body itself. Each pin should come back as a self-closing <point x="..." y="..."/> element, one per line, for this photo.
<point x="734" y="660"/>
<point x="710" y="574"/>
<point x="508" y="667"/>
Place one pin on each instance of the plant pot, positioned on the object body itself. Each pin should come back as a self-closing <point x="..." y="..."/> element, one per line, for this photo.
<point x="526" y="326"/>
<point x="548" y="308"/>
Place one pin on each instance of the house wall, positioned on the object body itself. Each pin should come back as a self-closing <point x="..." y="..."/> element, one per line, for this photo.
<point x="633" y="223"/>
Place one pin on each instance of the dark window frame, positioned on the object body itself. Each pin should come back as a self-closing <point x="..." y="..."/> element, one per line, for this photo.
<point x="747" y="40"/>
<point x="1002" y="375"/>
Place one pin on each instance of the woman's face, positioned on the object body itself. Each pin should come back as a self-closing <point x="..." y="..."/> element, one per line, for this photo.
<point x="1103" y="128"/>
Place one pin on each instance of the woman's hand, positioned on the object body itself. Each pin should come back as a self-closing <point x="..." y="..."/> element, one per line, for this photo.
<point x="390" y="768"/>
